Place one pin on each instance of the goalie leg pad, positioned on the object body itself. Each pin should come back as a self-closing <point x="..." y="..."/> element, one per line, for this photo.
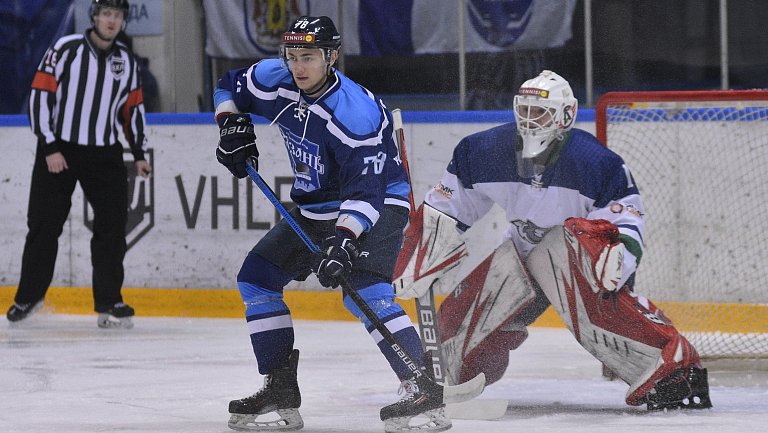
<point x="625" y="331"/>
<point x="432" y="248"/>
<point x="491" y="356"/>
<point x="482" y="319"/>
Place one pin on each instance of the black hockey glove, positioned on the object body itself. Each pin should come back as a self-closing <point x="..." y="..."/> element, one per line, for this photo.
<point x="335" y="260"/>
<point x="237" y="143"/>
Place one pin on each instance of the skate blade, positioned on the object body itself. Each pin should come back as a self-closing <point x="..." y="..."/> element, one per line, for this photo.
<point x="485" y="409"/>
<point x="436" y="422"/>
<point x="108" y="321"/>
<point x="289" y="419"/>
<point x="690" y="403"/>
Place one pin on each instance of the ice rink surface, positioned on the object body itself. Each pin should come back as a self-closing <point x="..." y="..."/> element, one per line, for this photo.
<point x="61" y="374"/>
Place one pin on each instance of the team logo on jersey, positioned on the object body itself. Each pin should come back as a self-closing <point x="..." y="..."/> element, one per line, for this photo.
<point x="117" y="66"/>
<point x="305" y="160"/>
<point x="141" y="202"/>
<point x="529" y="231"/>
<point x="500" y="22"/>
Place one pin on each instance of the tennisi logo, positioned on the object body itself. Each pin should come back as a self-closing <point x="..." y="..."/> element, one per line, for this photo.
<point x="532" y="91"/>
<point x="141" y="202"/>
<point x="298" y="38"/>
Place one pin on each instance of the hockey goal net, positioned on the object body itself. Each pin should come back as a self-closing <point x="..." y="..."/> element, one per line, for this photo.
<point x="700" y="160"/>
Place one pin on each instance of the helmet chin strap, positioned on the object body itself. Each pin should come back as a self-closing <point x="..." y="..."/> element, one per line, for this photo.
<point x="320" y="87"/>
<point x="317" y="89"/>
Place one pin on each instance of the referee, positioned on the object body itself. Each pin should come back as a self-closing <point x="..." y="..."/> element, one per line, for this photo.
<point x="86" y="87"/>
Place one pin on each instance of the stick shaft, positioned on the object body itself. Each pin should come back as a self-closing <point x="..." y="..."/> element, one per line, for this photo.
<point x="426" y="311"/>
<point x="345" y="286"/>
<point x="397" y="117"/>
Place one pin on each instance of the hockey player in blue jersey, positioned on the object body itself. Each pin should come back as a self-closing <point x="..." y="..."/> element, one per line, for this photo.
<point x="574" y="241"/>
<point x="351" y="196"/>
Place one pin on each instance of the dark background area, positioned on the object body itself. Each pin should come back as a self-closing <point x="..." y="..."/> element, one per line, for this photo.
<point x="637" y="45"/>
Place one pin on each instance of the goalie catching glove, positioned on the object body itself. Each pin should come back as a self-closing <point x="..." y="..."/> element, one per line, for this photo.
<point x="432" y="246"/>
<point x="599" y="251"/>
<point x="237" y="143"/>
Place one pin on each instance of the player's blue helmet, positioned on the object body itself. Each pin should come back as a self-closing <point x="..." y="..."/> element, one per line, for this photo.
<point x="312" y="32"/>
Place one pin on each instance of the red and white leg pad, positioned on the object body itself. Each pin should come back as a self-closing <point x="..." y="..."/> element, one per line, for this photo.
<point x="621" y="329"/>
<point x="479" y="319"/>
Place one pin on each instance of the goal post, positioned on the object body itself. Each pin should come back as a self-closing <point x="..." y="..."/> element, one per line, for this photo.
<point x="700" y="159"/>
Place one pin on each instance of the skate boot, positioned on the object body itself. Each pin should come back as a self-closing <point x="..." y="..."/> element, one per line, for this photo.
<point x="423" y="399"/>
<point x="19" y="312"/>
<point x="686" y="388"/>
<point x="119" y="315"/>
<point x="280" y="394"/>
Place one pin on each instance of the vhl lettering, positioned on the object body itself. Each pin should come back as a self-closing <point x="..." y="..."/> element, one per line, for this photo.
<point x="221" y="200"/>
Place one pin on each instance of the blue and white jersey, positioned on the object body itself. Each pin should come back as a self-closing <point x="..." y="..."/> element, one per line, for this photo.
<point x="588" y="180"/>
<point x="341" y="145"/>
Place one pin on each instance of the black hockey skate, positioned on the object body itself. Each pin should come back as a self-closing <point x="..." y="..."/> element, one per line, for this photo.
<point x="119" y="315"/>
<point x="423" y="398"/>
<point x="686" y="388"/>
<point x="280" y="394"/>
<point x="19" y="312"/>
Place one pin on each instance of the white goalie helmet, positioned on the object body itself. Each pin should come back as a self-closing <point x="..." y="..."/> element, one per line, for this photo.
<point x="545" y="109"/>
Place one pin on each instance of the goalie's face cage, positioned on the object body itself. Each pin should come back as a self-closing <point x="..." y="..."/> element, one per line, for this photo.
<point x="540" y="122"/>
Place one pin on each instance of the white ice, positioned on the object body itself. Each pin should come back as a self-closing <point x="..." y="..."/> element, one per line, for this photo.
<point x="61" y="374"/>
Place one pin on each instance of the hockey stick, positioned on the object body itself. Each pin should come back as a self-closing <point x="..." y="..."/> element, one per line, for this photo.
<point x="427" y="315"/>
<point x="451" y="394"/>
<point x="425" y="305"/>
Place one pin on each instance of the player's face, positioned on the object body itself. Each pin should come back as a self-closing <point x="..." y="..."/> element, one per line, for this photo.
<point x="308" y="67"/>
<point x="108" y="22"/>
<point x="533" y="116"/>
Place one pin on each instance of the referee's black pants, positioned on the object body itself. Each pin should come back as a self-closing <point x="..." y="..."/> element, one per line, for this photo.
<point x="103" y="178"/>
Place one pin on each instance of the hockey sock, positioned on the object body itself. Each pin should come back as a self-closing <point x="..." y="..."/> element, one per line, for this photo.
<point x="270" y="326"/>
<point x="380" y="297"/>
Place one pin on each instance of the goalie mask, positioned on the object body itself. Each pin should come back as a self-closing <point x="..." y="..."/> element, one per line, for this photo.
<point x="545" y="110"/>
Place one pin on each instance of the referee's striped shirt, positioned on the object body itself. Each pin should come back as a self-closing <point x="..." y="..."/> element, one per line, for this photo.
<point x="83" y="95"/>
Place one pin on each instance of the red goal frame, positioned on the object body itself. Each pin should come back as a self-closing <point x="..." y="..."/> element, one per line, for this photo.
<point x="619" y="98"/>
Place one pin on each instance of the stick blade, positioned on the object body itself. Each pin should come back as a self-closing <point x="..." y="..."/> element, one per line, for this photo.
<point x="464" y="391"/>
<point x="477" y="409"/>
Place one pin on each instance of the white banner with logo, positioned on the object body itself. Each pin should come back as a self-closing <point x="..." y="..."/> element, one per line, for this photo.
<point x="252" y="29"/>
